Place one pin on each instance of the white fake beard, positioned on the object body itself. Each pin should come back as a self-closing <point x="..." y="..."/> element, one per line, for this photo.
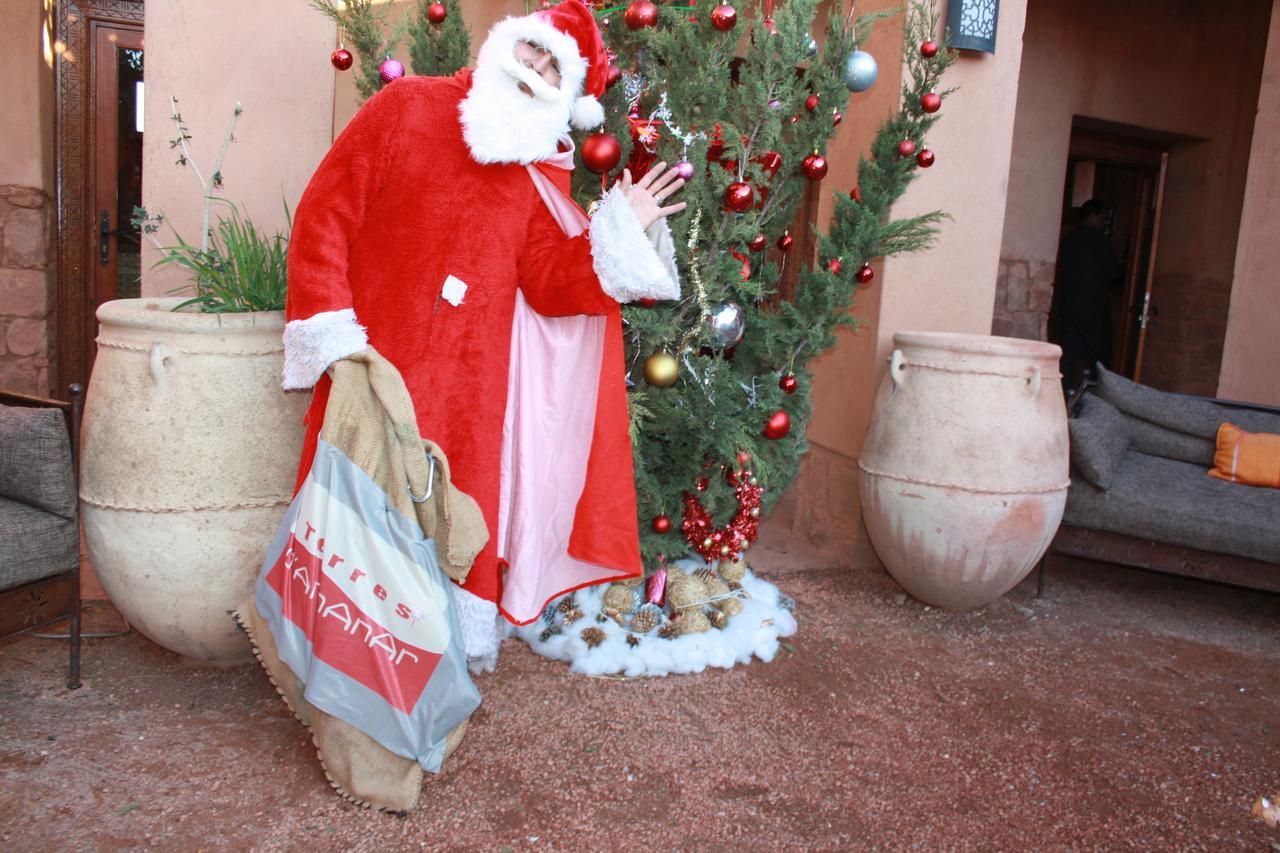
<point x="502" y="124"/>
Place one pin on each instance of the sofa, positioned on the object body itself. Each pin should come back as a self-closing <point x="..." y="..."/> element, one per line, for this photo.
<point x="39" y="518"/>
<point x="1141" y="495"/>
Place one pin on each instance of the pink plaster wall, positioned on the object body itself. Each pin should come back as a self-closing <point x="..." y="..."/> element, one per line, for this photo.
<point x="204" y="54"/>
<point x="1251" y="356"/>
<point x="26" y="196"/>
<point x="1190" y="68"/>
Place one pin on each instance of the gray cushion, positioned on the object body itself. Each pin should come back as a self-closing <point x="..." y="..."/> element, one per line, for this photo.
<point x="1155" y="440"/>
<point x="1177" y="412"/>
<point x="1099" y="437"/>
<point x="34" y="544"/>
<point x="35" y="459"/>
<point x="1178" y="503"/>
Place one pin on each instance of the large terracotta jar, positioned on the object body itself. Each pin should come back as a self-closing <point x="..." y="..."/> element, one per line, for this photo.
<point x="189" y="454"/>
<point x="964" y="470"/>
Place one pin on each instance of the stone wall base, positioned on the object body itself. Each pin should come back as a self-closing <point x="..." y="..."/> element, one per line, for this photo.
<point x="1024" y="294"/>
<point x="26" y="218"/>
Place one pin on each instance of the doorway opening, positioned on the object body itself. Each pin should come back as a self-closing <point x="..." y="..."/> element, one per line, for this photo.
<point x="98" y="130"/>
<point x="1103" y="308"/>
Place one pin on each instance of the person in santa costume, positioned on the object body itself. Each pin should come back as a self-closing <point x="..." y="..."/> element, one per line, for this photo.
<point x="439" y="230"/>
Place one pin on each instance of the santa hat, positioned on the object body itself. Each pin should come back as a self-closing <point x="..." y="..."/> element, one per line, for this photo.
<point x="569" y="31"/>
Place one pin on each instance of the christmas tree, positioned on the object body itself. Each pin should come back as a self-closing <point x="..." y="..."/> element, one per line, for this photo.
<point x="439" y="43"/>
<point x="720" y="385"/>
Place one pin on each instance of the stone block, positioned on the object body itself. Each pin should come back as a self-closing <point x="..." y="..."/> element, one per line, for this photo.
<point x="1028" y="326"/>
<point x="23" y="293"/>
<point x="1016" y="290"/>
<point x="26" y="337"/>
<point x="20" y="196"/>
<point x="18" y="374"/>
<point x="24" y="239"/>
<point x="1040" y="296"/>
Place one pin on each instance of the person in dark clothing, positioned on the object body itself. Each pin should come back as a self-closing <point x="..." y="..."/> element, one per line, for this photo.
<point x="1087" y="270"/>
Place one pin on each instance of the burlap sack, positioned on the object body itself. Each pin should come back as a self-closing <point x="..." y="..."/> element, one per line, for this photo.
<point x="370" y="417"/>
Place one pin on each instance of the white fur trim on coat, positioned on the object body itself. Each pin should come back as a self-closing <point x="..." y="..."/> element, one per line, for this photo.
<point x="311" y="345"/>
<point x="587" y="113"/>
<point x="502" y="124"/>
<point x="630" y="263"/>
<point x="481" y="629"/>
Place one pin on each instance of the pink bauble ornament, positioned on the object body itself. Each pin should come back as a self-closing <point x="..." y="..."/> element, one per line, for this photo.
<point x="684" y="169"/>
<point x="906" y="148"/>
<point x="390" y="69"/>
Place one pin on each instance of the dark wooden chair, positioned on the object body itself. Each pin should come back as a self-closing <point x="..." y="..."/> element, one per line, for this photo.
<point x="40" y="517"/>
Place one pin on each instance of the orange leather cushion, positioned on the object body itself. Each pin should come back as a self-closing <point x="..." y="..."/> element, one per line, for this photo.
<point x="1247" y="457"/>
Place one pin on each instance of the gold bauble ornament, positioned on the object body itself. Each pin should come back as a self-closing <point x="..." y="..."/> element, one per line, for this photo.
<point x="661" y="369"/>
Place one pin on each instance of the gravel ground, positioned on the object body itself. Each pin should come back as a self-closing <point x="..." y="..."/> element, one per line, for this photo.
<point x="1124" y="710"/>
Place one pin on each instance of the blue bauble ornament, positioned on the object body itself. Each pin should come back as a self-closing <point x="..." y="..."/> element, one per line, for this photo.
<point x="860" y="71"/>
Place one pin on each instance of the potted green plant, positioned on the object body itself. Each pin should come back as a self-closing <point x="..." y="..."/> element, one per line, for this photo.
<point x="189" y="444"/>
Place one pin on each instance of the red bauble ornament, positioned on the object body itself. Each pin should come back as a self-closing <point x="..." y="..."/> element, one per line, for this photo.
<point x="724" y="543"/>
<point x="925" y="158"/>
<point x="931" y="102"/>
<point x="436" y="13"/>
<point x="647" y="301"/>
<point x="601" y="152"/>
<point x="702" y="483"/>
<point x="856" y="194"/>
<point x="758" y="242"/>
<point x="778" y="425"/>
<point x="785" y="242"/>
<point x="814" y="167"/>
<point x="746" y="263"/>
<point x="341" y="59"/>
<point x="743" y="457"/>
<point x="738" y="197"/>
<point x="723" y="17"/>
<point x="614" y="75"/>
<point x="929" y="49"/>
<point x="865" y="274"/>
<point x="811" y="102"/>
<point x="661" y="523"/>
<point x="788" y="384"/>
<point x="906" y="148"/>
<point x="640" y="14"/>
<point x="836" y="118"/>
<point x="835" y="266"/>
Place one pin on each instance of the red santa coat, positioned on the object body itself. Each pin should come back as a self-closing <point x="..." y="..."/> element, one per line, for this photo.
<point x="396" y="209"/>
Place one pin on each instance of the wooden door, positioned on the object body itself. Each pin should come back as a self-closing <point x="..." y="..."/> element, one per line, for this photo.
<point x="98" y="164"/>
<point x="1143" y="305"/>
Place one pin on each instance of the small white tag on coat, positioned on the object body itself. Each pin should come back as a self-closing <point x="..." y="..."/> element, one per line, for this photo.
<point x="454" y="290"/>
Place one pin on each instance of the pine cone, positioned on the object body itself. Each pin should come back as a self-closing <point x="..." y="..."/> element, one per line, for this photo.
<point x="572" y="615"/>
<point x="592" y="636"/>
<point x="669" y="631"/>
<point x="645" y="621"/>
<point x="717" y="618"/>
<point x="566" y="604"/>
<point x="732" y="570"/>
<point x="633" y="640"/>
<point x="548" y="633"/>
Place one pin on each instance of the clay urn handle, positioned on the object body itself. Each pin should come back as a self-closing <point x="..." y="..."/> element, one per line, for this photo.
<point x="895" y="369"/>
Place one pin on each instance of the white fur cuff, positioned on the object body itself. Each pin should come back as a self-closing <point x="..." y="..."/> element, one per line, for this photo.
<point x="311" y="345"/>
<point x="481" y="631"/>
<point x="630" y="263"/>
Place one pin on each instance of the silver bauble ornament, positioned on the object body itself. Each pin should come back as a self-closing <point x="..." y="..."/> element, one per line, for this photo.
<point x="860" y="71"/>
<point x="727" y="324"/>
<point x="810" y="46"/>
